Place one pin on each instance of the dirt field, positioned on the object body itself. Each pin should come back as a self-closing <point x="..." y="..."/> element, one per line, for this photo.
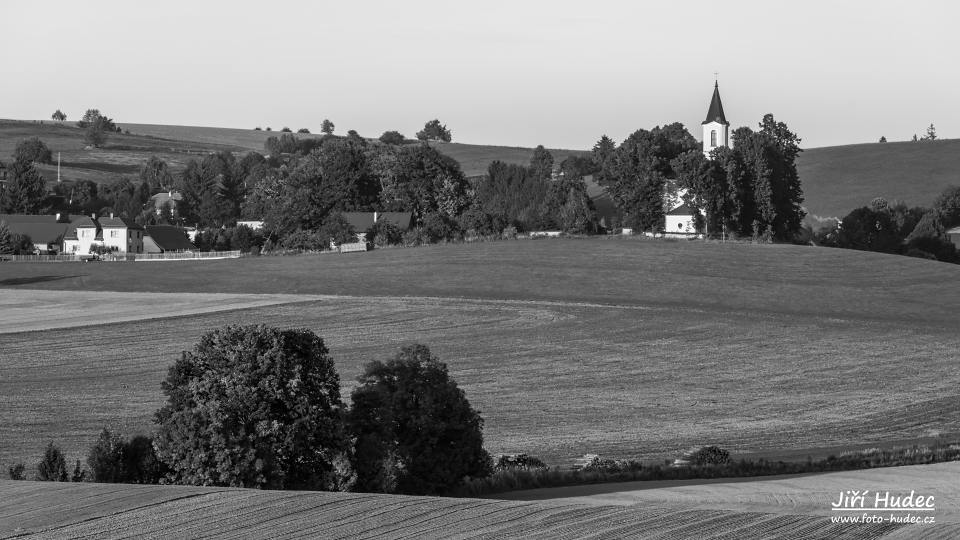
<point x="49" y="510"/>
<point x="24" y="310"/>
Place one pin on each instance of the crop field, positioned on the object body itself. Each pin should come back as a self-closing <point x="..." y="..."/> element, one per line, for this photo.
<point x="565" y="346"/>
<point x="23" y="310"/>
<point x="796" y="494"/>
<point x="49" y="510"/>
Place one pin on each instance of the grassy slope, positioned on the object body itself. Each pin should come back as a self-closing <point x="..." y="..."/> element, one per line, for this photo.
<point x="123" y="511"/>
<point x="838" y="179"/>
<point x="611" y="346"/>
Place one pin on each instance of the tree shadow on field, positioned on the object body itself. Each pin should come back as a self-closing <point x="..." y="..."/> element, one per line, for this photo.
<point x="10" y="282"/>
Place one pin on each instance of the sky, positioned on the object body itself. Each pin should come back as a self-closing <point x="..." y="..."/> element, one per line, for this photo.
<point x="512" y="73"/>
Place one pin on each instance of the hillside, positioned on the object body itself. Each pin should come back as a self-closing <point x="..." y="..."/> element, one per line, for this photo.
<point x="54" y="510"/>
<point x="624" y="347"/>
<point x="838" y="179"/>
<point x="835" y="179"/>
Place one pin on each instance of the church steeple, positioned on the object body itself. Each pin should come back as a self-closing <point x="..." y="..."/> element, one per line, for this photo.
<point x="715" y="113"/>
<point x="716" y="129"/>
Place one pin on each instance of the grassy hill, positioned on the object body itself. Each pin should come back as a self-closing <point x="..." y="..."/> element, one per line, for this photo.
<point x="623" y="347"/>
<point x="788" y="508"/>
<point x="835" y="179"/>
<point x="838" y="179"/>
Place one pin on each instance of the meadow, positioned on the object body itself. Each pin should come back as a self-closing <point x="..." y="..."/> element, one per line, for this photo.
<point x="623" y="347"/>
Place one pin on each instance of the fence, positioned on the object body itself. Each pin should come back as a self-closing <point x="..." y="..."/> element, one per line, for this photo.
<point x="115" y="257"/>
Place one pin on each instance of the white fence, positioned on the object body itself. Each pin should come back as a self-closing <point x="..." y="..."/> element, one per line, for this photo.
<point x="116" y="257"/>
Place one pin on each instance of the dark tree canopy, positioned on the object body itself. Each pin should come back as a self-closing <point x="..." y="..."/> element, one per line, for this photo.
<point x="327" y="127"/>
<point x="541" y="163"/>
<point x="869" y="230"/>
<point x="392" y="137"/>
<point x="58" y="116"/>
<point x="25" y="191"/>
<point x="415" y="430"/>
<point x="947" y="207"/>
<point x="253" y="406"/>
<point x="637" y="174"/>
<point x="434" y="131"/>
<point x="32" y="149"/>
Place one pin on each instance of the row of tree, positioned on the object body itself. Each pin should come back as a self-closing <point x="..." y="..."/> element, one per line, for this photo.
<point x="260" y="407"/>
<point x="897" y="228"/>
<point x="751" y="190"/>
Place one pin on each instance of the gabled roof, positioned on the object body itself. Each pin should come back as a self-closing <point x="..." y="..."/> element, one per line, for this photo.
<point x="955" y="230"/>
<point x="118" y="223"/>
<point x="403" y="220"/>
<point x="166" y="197"/>
<point x="682" y="210"/>
<point x="169" y="238"/>
<point x="715" y="113"/>
<point x="83" y="222"/>
<point x="40" y="229"/>
<point x="360" y="221"/>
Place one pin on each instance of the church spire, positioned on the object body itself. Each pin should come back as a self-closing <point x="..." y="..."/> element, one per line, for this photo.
<point x="715" y="113"/>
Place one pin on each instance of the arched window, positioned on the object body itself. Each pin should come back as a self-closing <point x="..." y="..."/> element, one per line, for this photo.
<point x="713" y="137"/>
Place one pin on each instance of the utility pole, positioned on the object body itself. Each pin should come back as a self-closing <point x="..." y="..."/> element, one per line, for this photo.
<point x="58" y="167"/>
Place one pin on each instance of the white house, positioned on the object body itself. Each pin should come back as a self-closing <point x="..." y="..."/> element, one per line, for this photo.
<point x="123" y="234"/>
<point x="82" y="233"/>
<point x="954" y="236"/>
<point x="679" y="221"/>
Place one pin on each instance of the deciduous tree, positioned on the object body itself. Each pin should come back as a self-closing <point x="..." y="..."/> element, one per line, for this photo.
<point x="253" y="406"/>
<point x="434" y="131"/>
<point x="415" y="429"/>
<point x="32" y="149"/>
<point x="58" y="116"/>
<point x="327" y="127"/>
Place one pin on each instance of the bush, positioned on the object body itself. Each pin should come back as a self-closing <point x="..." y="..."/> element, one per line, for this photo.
<point x="301" y="240"/>
<point x="437" y="227"/>
<point x="16" y="471"/>
<point x="512" y="462"/>
<point x="415" y="430"/>
<point x="336" y="229"/>
<point x="115" y="460"/>
<point x="710" y="455"/>
<point x="392" y="137"/>
<point x="385" y="233"/>
<point x="53" y="466"/>
<point x="254" y="406"/>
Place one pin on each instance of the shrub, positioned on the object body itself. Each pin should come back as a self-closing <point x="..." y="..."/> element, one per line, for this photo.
<point x="392" y="137"/>
<point x="710" y="455"/>
<point x="336" y="229"/>
<point x="415" y="430"/>
<point x="79" y="473"/>
<point x="511" y="462"/>
<point x="53" y="466"/>
<point x="301" y="240"/>
<point x="385" y="233"/>
<point x="254" y="406"/>
<point x="16" y="471"/>
<point x="437" y="227"/>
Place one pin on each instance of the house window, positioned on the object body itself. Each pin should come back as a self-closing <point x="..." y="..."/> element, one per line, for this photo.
<point x="713" y="137"/>
<point x="113" y="234"/>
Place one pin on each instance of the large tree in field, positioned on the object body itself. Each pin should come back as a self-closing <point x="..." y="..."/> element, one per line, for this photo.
<point x="947" y="207"/>
<point x="434" y="131"/>
<point x="25" y="191"/>
<point x="327" y="127"/>
<point x="32" y="149"/>
<point x="253" y="406"/>
<point x="415" y="429"/>
<point x="427" y="181"/>
<point x="58" y="116"/>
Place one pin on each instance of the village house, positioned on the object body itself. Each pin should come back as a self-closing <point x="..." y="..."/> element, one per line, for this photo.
<point x="46" y="232"/>
<point x="363" y="221"/>
<point x="168" y="198"/>
<point x="122" y="234"/>
<point x="166" y="239"/>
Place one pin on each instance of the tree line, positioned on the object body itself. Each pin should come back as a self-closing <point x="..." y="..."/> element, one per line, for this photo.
<point x="896" y="228"/>
<point x="301" y="186"/>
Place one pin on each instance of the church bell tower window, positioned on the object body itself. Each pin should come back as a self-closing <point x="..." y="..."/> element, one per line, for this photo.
<point x="713" y="137"/>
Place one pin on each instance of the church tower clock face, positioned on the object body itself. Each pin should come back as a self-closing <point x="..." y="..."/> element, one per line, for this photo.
<point x="716" y="129"/>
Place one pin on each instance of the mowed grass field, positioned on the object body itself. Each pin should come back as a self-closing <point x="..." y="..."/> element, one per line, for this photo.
<point x="51" y="510"/>
<point x="623" y="347"/>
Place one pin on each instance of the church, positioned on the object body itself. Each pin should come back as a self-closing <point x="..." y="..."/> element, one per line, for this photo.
<point x="716" y="133"/>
